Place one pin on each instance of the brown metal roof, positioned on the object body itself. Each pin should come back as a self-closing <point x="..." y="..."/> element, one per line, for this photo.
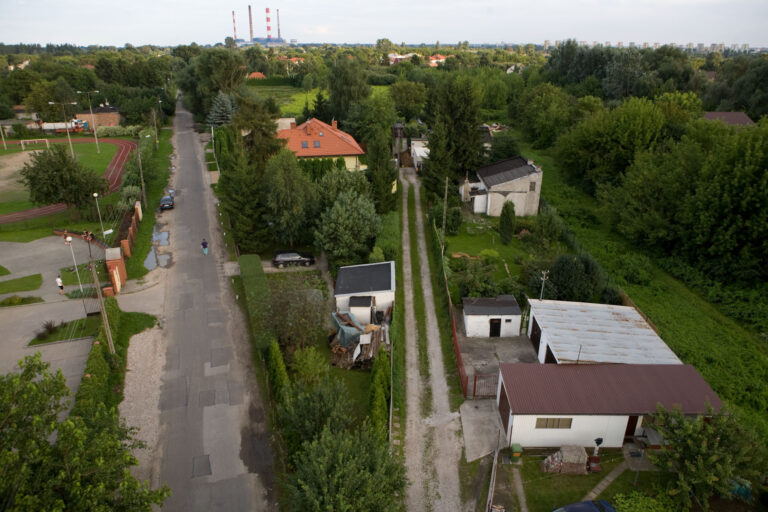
<point x="605" y="388"/>
<point x="732" y="118"/>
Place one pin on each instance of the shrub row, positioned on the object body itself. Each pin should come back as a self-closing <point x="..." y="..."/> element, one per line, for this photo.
<point x="118" y="131"/>
<point x="380" y="392"/>
<point x="259" y="300"/>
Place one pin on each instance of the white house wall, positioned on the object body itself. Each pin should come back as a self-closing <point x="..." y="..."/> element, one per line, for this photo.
<point x="583" y="432"/>
<point x="479" y="326"/>
<point x="383" y="300"/>
<point x="362" y="314"/>
<point x="518" y="192"/>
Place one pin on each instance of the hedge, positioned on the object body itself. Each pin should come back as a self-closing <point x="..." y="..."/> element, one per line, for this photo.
<point x="118" y="131"/>
<point x="258" y="299"/>
<point x="278" y="375"/>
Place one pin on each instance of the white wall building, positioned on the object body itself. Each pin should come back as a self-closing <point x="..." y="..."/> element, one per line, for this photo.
<point x="491" y="317"/>
<point x="355" y="283"/>
<point x="419" y="152"/>
<point x="514" y="180"/>
<point x="581" y="332"/>
<point x="554" y="405"/>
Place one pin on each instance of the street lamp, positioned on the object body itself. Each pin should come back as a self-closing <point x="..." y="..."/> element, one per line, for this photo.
<point x="66" y="125"/>
<point x="69" y="243"/>
<point x="96" y="196"/>
<point x="93" y="119"/>
<point x="154" y="118"/>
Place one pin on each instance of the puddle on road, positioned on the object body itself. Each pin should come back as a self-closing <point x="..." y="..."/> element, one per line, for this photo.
<point x="153" y="260"/>
<point x="159" y="238"/>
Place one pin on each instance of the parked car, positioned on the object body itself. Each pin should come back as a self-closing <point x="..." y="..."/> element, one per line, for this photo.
<point x="284" y="258"/>
<point x="166" y="203"/>
<point x="587" y="506"/>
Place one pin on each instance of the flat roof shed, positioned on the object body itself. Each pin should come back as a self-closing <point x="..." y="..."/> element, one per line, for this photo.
<point x="580" y="332"/>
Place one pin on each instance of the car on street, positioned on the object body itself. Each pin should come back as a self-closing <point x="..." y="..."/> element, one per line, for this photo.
<point x="166" y="203"/>
<point x="587" y="506"/>
<point x="285" y="258"/>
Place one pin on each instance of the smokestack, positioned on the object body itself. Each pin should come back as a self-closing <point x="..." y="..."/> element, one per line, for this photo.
<point x="269" y="28"/>
<point x="250" y="22"/>
<point x="234" y="25"/>
<point x="278" y="24"/>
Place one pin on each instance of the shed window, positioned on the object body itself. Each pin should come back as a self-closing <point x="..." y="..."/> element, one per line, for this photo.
<point x="553" y="422"/>
<point x="304" y="144"/>
<point x="532" y="186"/>
<point x="317" y="144"/>
<point x="508" y="321"/>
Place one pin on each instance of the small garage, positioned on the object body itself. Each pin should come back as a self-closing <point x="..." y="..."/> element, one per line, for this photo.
<point x="491" y="317"/>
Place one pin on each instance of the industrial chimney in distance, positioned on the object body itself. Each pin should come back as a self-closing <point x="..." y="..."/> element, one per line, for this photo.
<point x="234" y="25"/>
<point x="250" y="23"/>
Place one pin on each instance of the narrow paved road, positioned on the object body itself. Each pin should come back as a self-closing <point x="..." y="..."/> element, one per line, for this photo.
<point x="213" y="449"/>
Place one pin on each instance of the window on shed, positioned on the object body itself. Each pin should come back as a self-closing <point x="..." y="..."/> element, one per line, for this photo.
<point x="553" y="422"/>
<point x="532" y="186"/>
<point x="304" y="144"/>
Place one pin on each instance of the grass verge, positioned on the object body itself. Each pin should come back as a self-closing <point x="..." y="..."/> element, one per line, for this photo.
<point x="15" y="300"/>
<point x="4" y="271"/>
<point x="81" y="328"/>
<point x="69" y="277"/>
<point x="21" y="284"/>
<point x="397" y="338"/>
<point x="418" y="295"/>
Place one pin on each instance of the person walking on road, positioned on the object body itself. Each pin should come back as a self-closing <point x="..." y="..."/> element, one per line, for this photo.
<point x="60" y="284"/>
<point x="204" y="245"/>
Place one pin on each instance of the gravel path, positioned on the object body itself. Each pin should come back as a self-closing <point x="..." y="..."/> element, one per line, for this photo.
<point x="433" y="467"/>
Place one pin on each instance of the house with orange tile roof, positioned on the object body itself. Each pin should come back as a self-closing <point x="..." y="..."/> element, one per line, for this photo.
<point x="316" y="139"/>
<point x="257" y="75"/>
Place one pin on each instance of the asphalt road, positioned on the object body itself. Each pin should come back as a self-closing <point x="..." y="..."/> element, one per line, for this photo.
<point x="213" y="449"/>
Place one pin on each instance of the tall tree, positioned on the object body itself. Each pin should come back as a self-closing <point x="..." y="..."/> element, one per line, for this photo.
<point x="507" y="222"/>
<point x="347" y="230"/>
<point x="382" y="172"/>
<point x="53" y="176"/>
<point x="222" y="110"/>
<point x="290" y="198"/>
<point x="409" y="98"/>
<point x="347" y="85"/>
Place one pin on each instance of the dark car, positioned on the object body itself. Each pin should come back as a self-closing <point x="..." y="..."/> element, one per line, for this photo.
<point x="166" y="203"/>
<point x="285" y="258"/>
<point x="587" y="506"/>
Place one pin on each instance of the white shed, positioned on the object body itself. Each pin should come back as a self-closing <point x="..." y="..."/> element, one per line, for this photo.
<point x="491" y="317"/>
<point x="581" y="332"/>
<point x="545" y="405"/>
<point x="419" y="152"/>
<point x="372" y="284"/>
<point x="514" y="180"/>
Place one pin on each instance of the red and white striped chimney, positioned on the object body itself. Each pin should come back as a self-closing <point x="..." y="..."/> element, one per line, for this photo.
<point x="269" y="28"/>
<point x="234" y="25"/>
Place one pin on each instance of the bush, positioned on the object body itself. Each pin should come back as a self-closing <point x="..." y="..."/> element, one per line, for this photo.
<point x="635" y="268"/>
<point x="381" y="78"/>
<point x="376" y="256"/>
<point x="15" y="300"/>
<point x="20" y="131"/>
<point x="507" y="222"/>
<point x="118" y="131"/>
<point x="389" y="237"/>
<point x="278" y="375"/>
<point x="258" y="300"/>
<point x="575" y="278"/>
<point x="453" y="221"/>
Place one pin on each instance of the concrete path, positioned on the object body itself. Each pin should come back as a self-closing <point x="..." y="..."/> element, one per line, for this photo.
<point x="518" y="481"/>
<point x="44" y="256"/>
<point x="481" y="428"/>
<point x="605" y="482"/>
<point x="213" y="449"/>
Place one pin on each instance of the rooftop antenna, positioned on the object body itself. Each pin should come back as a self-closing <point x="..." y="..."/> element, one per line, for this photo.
<point x="234" y="25"/>
<point x="544" y="277"/>
<point x="269" y="28"/>
<point x="250" y="22"/>
<point x="278" y="25"/>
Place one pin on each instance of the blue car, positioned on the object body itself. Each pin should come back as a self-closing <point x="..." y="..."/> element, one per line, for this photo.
<point x="587" y="506"/>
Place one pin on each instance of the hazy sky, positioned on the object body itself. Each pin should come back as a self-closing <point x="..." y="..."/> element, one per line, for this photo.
<point x="171" y="22"/>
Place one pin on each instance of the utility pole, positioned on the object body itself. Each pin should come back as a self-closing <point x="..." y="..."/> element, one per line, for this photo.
<point x="445" y="210"/>
<point x="93" y="119"/>
<point x="2" y="134"/>
<point x="141" y="174"/>
<point x="103" y="310"/>
<point x="544" y="277"/>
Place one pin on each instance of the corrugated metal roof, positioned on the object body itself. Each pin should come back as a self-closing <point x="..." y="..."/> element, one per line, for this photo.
<point x="501" y="305"/>
<point x="599" y="333"/>
<point x="371" y="277"/>
<point x="605" y="388"/>
<point x="505" y="171"/>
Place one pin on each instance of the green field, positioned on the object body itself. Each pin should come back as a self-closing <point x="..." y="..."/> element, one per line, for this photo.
<point x="290" y="99"/>
<point x="22" y="284"/>
<point x="733" y="360"/>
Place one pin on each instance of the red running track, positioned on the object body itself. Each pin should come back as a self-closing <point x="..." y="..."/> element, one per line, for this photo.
<point x="113" y="174"/>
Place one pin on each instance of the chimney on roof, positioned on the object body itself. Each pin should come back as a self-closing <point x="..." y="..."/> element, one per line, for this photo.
<point x="250" y="22"/>
<point x="293" y="125"/>
<point x="335" y="124"/>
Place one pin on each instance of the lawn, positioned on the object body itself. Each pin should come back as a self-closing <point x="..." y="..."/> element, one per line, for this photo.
<point x="22" y="284"/>
<point x="4" y="271"/>
<point x="82" y="328"/>
<point x="544" y="491"/>
<point x="290" y="99"/>
<point x="69" y="277"/>
<point x="731" y="359"/>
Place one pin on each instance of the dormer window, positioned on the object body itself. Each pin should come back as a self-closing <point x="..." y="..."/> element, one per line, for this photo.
<point x="321" y="134"/>
<point x="304" y="144"/>
<point x="317" y="144"/>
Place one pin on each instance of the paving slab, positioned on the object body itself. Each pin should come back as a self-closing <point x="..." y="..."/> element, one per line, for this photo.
<point x="481" y="426"/>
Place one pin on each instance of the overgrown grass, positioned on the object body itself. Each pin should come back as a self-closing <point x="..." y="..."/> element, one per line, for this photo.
<point x="544" y="492"/>
<point x="732" y="359"/>
<point x="155" y="188"/>
<point x="130" y="325"/>
<point x="646" y="481"/>
<point x="418" y="300"/>
<point x="21" y="284"/>
<point x="15" y="300"/>
<point x="81" y="328"/>
<point x="474" y="479"/>
<point x="226" y="231"/>
<point x="290" y="99"/>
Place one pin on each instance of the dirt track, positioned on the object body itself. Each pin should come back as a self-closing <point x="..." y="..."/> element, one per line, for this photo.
<point x="113" y="174"/>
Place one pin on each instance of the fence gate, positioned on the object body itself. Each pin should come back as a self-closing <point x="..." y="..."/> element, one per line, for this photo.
<point x="483" y="386"/>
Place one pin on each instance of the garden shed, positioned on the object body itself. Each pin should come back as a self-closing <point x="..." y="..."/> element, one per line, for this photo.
<point x="366" y="291"/>
<point x="547" y="405"/>
<point x="491" y="317"/>
<point x="580" y="332"/>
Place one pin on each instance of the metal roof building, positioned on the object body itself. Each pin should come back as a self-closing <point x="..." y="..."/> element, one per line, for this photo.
<point x="580" y="332"/>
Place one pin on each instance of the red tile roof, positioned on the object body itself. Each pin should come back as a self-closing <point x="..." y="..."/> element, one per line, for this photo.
<point x="605" y="388"/>
<point x="322" y="140"/>
<point x="732" y="118"/>
<point x="257" y="75"/>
